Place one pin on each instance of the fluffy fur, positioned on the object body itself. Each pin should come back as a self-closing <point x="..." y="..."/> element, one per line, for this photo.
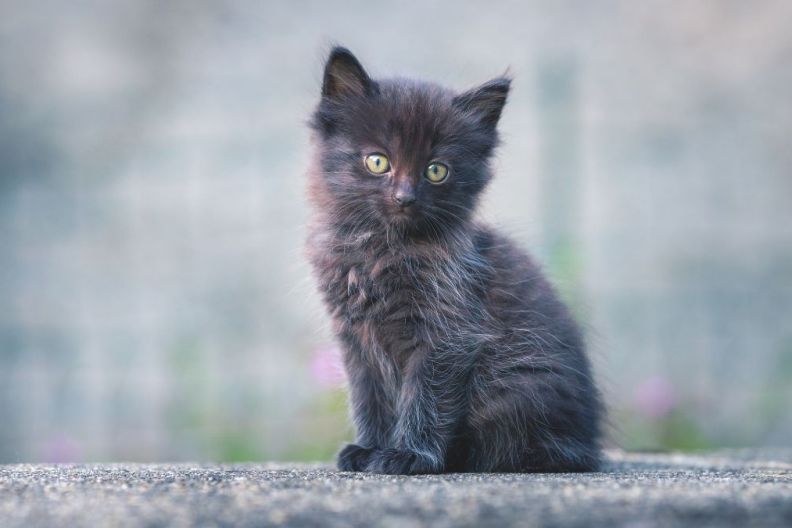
<point x="459" y="354"/>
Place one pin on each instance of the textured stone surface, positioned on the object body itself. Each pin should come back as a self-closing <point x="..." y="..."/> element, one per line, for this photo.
<point x="741" y="488"/>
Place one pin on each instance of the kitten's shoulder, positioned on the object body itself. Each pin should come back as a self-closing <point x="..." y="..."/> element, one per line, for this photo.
<point x="517" y="280"/>
<point x="501" y="250"/>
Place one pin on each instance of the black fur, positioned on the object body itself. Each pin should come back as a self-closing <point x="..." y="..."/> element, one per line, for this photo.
<point x="460" y="357"/>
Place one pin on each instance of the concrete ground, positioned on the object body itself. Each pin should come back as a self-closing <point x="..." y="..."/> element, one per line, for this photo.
<point x="736" y="488"/>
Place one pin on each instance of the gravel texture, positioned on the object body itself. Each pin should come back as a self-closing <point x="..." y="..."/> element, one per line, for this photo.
<point x="735" y="488"/>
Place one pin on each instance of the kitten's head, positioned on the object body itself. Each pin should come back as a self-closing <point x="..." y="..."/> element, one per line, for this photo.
<point x="401" y="154"/>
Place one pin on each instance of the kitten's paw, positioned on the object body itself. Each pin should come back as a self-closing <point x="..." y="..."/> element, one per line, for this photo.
<point x="401" y="462"/>
<point x="354" y="457"/>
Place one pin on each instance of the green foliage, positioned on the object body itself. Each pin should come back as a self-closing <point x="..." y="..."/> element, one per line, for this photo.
<point x="325" y="428"/>
<point x="238" y="446"/>
<point x="676" y="431"/>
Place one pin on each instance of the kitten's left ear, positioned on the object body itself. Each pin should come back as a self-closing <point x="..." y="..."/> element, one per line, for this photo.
<point x="486" y="101"/>
<point x="344" y="76"/>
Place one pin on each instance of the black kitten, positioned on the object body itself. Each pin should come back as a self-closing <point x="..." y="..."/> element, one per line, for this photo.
<point x="460" y="357"/>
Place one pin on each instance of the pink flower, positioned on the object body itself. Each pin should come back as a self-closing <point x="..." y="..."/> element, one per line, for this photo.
<point x="326" y="367"/>
<point x="61" y="449"/>
<point x="654" y="397"/>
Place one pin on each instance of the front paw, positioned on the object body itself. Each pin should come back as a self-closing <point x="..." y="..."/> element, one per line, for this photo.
<point x="354" y="457"/>
<point x="401" y="462"/>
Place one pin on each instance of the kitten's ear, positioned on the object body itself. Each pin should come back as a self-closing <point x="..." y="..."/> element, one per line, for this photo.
<point x="344" y="76"/>
<point x="486" y="101"/>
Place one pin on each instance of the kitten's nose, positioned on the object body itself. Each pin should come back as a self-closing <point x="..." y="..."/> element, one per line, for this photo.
<point x="404" y="197"/>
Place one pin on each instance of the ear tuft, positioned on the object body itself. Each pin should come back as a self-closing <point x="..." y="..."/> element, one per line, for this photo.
<point x="486" y="101"/>
<point x="344" y="76"/>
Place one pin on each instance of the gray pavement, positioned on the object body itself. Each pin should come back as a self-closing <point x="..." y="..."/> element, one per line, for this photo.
<point x="734" y="488"/>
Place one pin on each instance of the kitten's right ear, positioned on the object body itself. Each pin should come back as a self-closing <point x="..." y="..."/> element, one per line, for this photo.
<point x="344" y="76"/>
<point x="486" y="101"/>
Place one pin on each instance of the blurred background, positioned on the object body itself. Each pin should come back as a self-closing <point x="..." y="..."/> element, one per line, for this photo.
<point x="155" y="303"/>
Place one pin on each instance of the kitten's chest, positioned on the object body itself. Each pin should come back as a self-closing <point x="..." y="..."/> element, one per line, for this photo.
<point x="387" y="288"/>
<point x="390" y="301"/>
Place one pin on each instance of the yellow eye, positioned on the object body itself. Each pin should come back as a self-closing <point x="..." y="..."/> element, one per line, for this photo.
<point x="377" y="163"/>
<point x="436" y="172"/>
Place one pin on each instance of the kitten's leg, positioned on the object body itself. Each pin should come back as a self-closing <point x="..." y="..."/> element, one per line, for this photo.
<point x="431" y="403"/>
<point x="371" y="395"/>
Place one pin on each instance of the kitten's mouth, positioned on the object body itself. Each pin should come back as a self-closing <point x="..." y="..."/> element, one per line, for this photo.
<point x="401" y="213"/>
